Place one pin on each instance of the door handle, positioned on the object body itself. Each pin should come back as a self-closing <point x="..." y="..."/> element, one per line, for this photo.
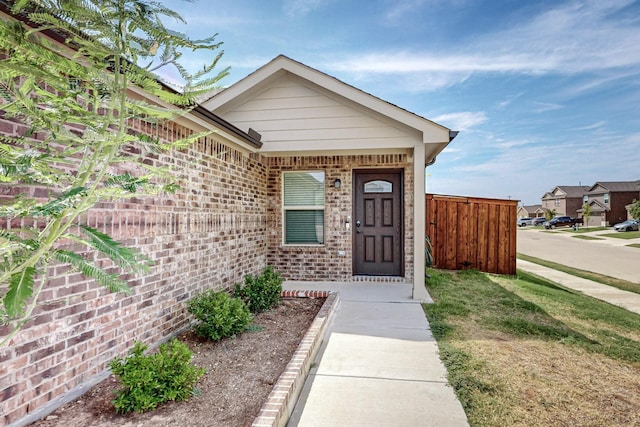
<point x="358" y="224"/>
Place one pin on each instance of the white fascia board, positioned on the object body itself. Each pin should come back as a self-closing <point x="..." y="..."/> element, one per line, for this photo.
<point x="238" y="90"/>
<point x="345" y="152"/>
<point x="333" y="146"/>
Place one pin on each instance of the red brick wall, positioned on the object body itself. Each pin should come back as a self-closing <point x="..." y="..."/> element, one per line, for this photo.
<point x="322" y="263"/>
<point x="208" y="235"/>
<point x="225" y="222"/>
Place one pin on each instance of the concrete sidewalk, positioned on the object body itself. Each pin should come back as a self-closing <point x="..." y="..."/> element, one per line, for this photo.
<point x="615" y="296"/>
<point x="378" y="365"/>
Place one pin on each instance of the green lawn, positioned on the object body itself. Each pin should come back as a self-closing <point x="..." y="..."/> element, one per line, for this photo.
<point x="585" y="229"/>
<point x="583" y="237"/>
<point x="596" y="277"/>
<point x="623" y="235"/>
<point x="523" y="351"/>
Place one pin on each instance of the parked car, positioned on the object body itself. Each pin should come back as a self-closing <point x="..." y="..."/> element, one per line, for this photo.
<point x="561" y="221"/>
<point x="538" y="221"/>
<point x="628" y="225"/>
<point x="524" y="221"/>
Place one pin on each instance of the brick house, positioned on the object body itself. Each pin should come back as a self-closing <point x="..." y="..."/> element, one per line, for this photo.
<point x="564" y="199"/>
<point x="628" y="207"/>
<point x="330" y="188"/>
<point x="609" y="201"/>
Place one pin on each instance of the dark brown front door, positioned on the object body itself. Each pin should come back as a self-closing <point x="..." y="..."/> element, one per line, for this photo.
<point x="377" y="226"/>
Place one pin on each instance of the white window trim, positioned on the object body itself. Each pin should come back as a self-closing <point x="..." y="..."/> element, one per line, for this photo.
<point x="304" y="208"/>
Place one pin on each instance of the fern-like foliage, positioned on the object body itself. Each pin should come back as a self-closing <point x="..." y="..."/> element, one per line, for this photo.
<point x="19" y="292"/>
<point x="123" y="256"/>
<point x="109" y="280"/>
<point x="57" y="206"/>
<point x="127" y="182"/>
<point x="72" y="101"/>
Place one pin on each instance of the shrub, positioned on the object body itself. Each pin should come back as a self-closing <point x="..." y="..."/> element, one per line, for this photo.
<point x="219" y="314"/>
<point x="154" y="379"/>
<point x="262" y="292"/>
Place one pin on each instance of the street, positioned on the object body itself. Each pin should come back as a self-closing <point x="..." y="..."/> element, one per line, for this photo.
<point x="609" y="256"/>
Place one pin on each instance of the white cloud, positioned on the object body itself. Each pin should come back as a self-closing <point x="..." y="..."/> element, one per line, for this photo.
<point x="593" y="126"/>
<point x="543" y="107"/>
<point x="399" y="10"/>
<point x="505" y="103"/>
<point x="300" y="7"/>
<point x="578" y="37"/>
<point x="461" y="121"/>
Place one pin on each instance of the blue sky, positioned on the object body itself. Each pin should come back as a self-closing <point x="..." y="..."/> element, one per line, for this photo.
<point x="544" y="93"/>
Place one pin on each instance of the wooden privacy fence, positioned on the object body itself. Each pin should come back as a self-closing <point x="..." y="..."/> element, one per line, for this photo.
<point x="472" y="233"/>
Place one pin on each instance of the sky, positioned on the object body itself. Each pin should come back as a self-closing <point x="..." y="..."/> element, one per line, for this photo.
<point x="544" y="93"/>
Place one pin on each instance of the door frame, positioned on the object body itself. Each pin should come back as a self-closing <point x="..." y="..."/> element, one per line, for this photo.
<point x="402" y="219"/>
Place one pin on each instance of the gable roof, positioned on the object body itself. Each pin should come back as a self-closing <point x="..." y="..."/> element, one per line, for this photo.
<point x="532" y="208"/>
<point x="596" y="207"/>
<point x="433" y="134"/>
<point x="614" y="186"/>
<point x="566" y="191"/>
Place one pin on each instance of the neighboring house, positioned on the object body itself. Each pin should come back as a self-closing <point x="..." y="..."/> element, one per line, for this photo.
<point x="532" y="211"/>
<point x="628" y="207"/>
<point x="609" y="201"/>
<point x="564" y="199"/>
<point x="333" y="190"/>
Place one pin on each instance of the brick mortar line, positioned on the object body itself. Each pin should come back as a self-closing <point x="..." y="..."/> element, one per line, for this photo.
<point x="280" y="403"/>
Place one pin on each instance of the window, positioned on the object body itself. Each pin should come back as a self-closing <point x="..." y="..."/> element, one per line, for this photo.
<point x="606" y="198"/>
<point x="585" y="199"/>
<point x="378" y="187"/>
<point x="557" y="202"/>
<point x="303" y="207"/>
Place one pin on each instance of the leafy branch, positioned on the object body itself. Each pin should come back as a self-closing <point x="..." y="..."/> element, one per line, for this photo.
<point x="73" y="104"/>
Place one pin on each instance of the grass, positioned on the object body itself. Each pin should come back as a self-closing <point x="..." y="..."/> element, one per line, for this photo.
<point x="523" y="351"/>
<point x="596" y="277"/>
<point x="634" y="245"/>
<point x="585" y="229"/>
<point x="623" y="235"/>
<point x="587" y="237"/>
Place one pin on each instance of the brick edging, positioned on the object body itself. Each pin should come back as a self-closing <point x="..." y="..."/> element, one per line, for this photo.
<point x="282" y="399"/>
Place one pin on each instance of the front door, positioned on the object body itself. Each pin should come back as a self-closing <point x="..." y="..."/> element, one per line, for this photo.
<point x="377" y="226"/>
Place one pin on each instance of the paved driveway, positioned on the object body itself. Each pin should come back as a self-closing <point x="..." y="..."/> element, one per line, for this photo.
<point x="610" y="256"/>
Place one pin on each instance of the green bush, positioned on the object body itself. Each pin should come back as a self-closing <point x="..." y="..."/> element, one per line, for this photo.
<point x="154" y="379"/>
<point x="219" y="314"/>
<point x="262" y="292"/>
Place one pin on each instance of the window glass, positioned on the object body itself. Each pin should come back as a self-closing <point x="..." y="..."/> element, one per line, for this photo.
<point x="303" y="207"/>
<point x="606" y="198"/>
<point x="378" y="187"/>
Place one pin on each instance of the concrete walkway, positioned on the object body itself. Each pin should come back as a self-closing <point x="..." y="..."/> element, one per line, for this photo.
<point x="615" y="296"/>
<point x="378" y="366"/>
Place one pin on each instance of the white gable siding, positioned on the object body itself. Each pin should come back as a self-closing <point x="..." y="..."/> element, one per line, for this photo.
<point x="292" y="116"/>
